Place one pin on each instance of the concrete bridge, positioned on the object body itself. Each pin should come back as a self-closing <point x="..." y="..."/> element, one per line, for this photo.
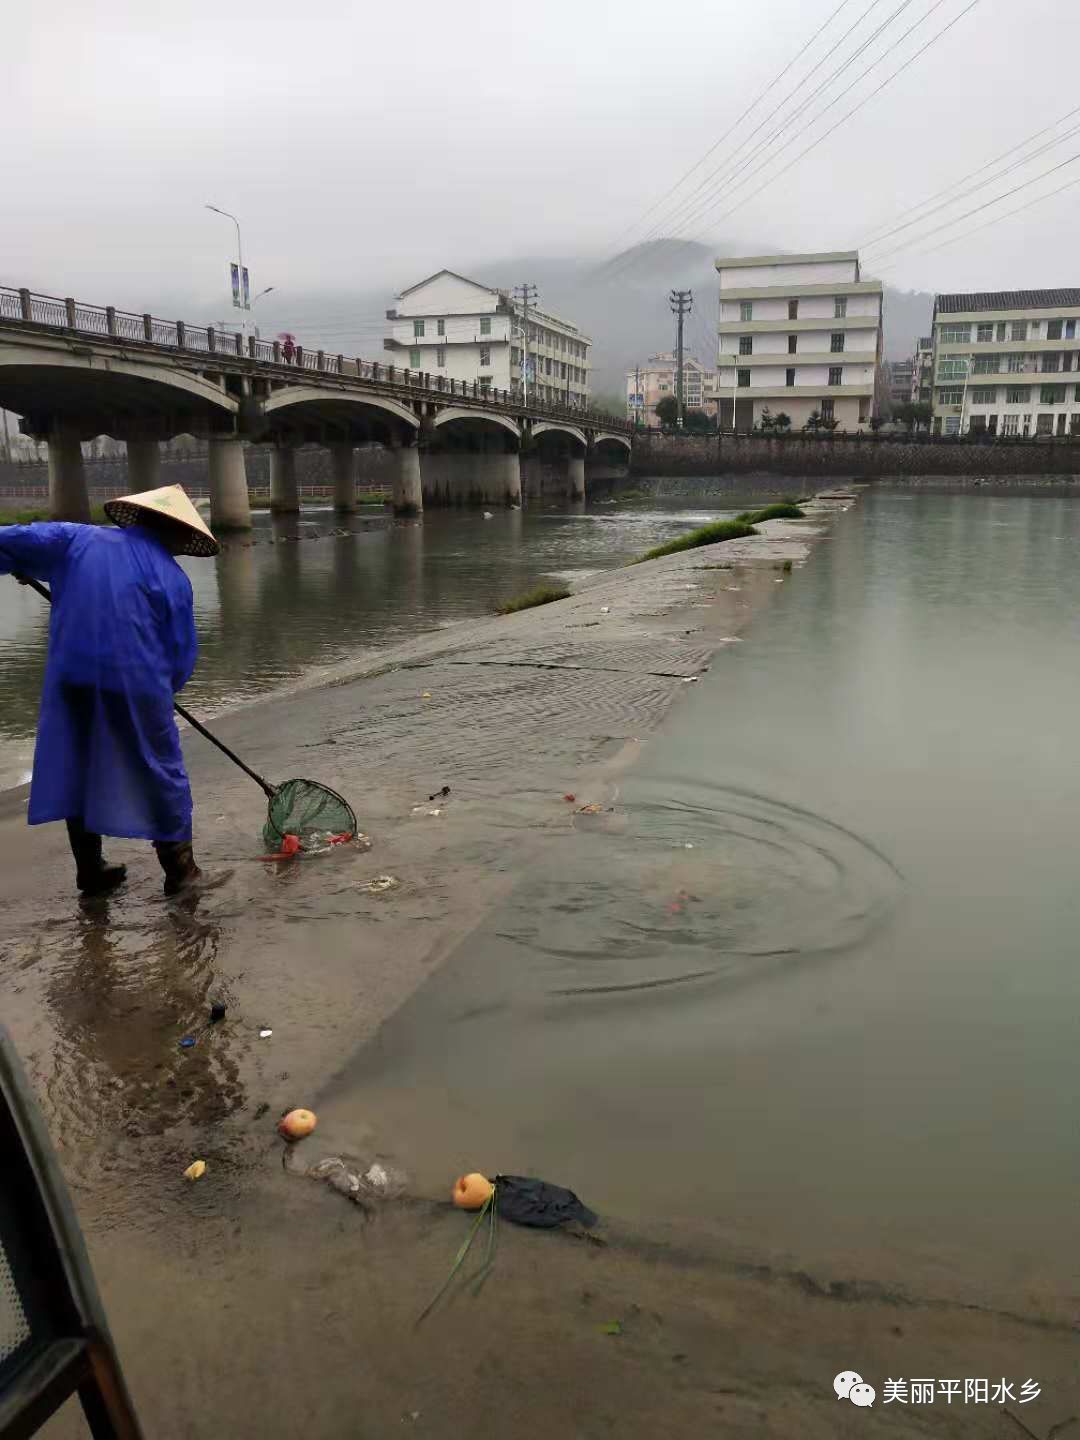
<point x="73" y="371"/>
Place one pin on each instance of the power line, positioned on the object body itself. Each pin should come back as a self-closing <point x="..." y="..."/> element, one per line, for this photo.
<point x="985" y="225"/>
<point x="735" y="124"/>
<point x="975" y="210"/>
<point x="690" y="200"/>
<point x="704" y="210"/>
<point x="956" y="196"/>
<point x="857" y="107"/>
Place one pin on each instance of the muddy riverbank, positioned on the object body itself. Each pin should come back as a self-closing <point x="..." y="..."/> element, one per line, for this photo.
<point x="259" y="1303"/>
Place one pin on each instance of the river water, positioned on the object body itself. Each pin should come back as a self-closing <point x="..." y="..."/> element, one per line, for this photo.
<point x="311" y="593"/>
<point x="819" y="990"/>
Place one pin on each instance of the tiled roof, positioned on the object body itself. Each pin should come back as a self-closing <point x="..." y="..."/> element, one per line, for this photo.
<point x="1006" y="300"/>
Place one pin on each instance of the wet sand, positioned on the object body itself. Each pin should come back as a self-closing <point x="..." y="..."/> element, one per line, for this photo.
<point x="257" y="1302"/>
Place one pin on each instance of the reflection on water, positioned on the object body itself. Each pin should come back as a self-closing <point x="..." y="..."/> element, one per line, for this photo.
<point x="843" y="1024"/>
<point x="311" y="592"/>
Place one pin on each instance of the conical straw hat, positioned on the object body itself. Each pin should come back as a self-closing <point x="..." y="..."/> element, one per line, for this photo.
<point x="169" y="503"/>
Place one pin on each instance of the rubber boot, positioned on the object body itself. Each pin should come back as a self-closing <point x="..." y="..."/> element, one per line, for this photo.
<point x="92" y="875"/>
<point x="178" y="862"/>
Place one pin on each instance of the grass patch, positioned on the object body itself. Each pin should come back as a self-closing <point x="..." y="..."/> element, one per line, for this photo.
<point x="27" y="517"/>
<point x="375" y="497"/>
<point x="783" y="510"/>
<point x="711" y="534"/>
<point x="539" y="595"/>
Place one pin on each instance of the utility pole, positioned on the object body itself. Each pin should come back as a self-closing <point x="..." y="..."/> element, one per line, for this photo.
<point x="682" y="302"/>
<point x="638" y="406"/>
<point x="526" y="293"/>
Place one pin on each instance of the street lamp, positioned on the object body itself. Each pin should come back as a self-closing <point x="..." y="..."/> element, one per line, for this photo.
<point x="259" y="297"/>
<point x="241" y="304"/>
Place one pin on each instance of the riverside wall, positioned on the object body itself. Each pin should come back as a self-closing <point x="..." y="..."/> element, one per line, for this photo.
<point x="864" y="457"/>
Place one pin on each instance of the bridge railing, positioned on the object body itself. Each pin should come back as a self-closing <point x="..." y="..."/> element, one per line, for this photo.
<point x="104" y="320"/>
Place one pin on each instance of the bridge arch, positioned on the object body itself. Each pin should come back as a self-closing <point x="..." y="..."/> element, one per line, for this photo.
<point x="462" y="414"/>
<point x="49" y="381"/>
<point x="605" y="437"/>
<point x="321" y="398"/>
<point x="555" y="427"/>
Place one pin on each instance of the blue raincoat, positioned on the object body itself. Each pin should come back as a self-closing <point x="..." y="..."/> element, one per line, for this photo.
<point x="121" y="643"/>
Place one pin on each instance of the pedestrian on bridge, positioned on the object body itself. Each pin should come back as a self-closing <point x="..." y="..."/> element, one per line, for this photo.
<point x="288" y="349"/>
<point x="121" y="644"/>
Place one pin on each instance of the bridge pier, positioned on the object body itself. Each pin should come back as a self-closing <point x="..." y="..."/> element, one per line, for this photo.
<point x="343" y="457"/>
<point x="230" y="507"/>
<point x="284" y="491"/>
<point x="68" y="496"/>
<point x="575" y="477"/>
<point x="408" y="495"/>
<point x="144" y="465"/>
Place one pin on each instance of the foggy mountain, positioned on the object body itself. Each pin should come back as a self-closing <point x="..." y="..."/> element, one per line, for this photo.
<point x="622" y="305"/>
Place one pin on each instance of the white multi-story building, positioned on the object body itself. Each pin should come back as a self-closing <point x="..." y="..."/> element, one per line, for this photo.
<point x="648" y="384"/>
<point x="1005" y="362"/>
<point x="799" y="335"/>
<point x="451" y="326"/>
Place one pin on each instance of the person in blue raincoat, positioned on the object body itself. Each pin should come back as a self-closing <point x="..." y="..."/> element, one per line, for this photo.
<point x="121" y="645"/>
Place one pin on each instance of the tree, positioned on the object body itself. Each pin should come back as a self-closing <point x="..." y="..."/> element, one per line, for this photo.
<point x="905" y="414"/>
<point x="813" y="420"/>
<point x="767" y="422"/>
<point x="782" y="422"/>
<point x="697" y="421"/>
<point x="924" y="413"/>
<point x="667" y="410"/>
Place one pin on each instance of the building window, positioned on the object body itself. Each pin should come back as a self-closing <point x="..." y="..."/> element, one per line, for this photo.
<point x="1052" y="395"/>
<point x="955" y="334"/>
<point x="1070" y="329"/>
<point x="440" y="327"/>
<point x="1066" y="360"/>
<point x="1051" y="364"/>
<point x="839" y="307"/>
<point x="953" y="367"/>
<point x="836" y="374"/>
<point x="414" y="359"/>
<point x="950" y="397"/>
<point x="485" y="354"/>
<point x="418" y="329"/>
<point x="1001" y="330"/>
<point x="746" y="309"/>
<point x="742" y="379"/>
<point x="983" y="394"/>
<point x="485" y="325"/>
<point x="440" y="355"/>
<point x="792" y="344"/>
<point x="827" y="409"/>
<point x="1017" y="394"/>
<point x="793" y="309"/>
<point x="952" y="424"/>
<point x="836" y="344"/>
<point x="1076" y="394"/>
<point x="1019" y="330"/>
<point x="1010" y="424"/>
<point x="790" y="378"/>
<point x="562" y="370"/>
<point x="1053" y="329"/>
<point x="1017" y="364"/>
<point x="746" y="344"/>
<point x="984" y="334"/>
<point x="1044" y="425"/>
<point x="547" y="364"/>
<point x="986" y="365"/>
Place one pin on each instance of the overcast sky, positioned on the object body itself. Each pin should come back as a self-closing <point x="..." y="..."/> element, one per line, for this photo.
<point x="368" y="145"/>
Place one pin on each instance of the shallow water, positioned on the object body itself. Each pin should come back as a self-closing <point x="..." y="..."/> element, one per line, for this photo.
<point x="813" y="981"/>
<point x="315" y="592"/>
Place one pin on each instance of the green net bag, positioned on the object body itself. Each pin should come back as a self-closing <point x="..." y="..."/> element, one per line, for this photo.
<point x="315" y="814"/>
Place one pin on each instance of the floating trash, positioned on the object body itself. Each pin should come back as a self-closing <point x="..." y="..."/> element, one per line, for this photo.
<point x="196" y="1170"/>
<point x="265" y="1033"/>
<point x="380" y="884"/>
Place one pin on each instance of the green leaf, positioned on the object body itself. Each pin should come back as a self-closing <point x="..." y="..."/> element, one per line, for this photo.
<point x="613" y="1327"/>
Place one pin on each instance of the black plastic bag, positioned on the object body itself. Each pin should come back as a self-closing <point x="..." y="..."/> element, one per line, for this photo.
<point x="534" y="1202"/>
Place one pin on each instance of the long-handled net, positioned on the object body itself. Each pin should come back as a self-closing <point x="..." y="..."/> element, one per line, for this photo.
<point x="302" y="814"/>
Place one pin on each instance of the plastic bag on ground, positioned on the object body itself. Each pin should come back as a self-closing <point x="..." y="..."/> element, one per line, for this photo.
<point x="526" y="1201"/>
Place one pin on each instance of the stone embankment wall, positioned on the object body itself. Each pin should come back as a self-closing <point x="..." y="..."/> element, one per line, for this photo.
<point x="864" y="457"/>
